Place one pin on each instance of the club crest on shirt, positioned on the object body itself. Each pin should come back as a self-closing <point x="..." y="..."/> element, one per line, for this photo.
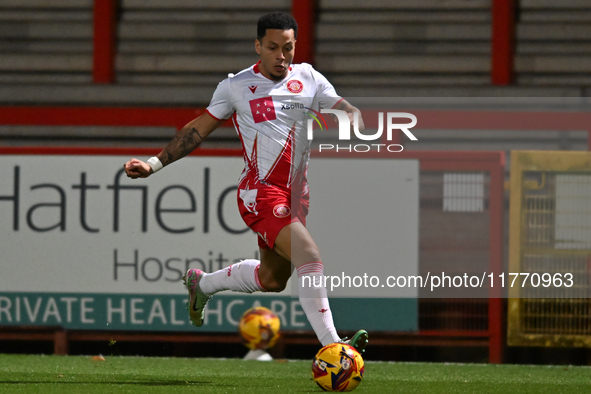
<point x="281" y="211"/>
<point x="295" y="86"/>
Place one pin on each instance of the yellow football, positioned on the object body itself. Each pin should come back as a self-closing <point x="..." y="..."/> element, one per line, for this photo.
<point x="259" y="328"/>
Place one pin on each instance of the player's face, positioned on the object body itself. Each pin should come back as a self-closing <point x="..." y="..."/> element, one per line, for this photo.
<point x="276" y="50"/>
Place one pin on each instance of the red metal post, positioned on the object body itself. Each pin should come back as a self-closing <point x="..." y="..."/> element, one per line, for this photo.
<point x="304" y="12"/>
<point x="103" y="64"/>
<point x="61" y="343"/>
<point x="502" y="41"/>
<point x="496" y="315"/>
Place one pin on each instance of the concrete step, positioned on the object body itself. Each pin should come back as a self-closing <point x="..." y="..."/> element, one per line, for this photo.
<point x="557" y="79"/>
<point x="186" y="31"/>
<point x="46" y="46"/>
<point x="405" y="31"/>
<point x="404" y="63"/>
<point x="45" y="78"/>
<point x="127" y="47"/>
<point x="553" y="64"/>
<point x="43" y="62"/>
<point x="185" y="47"/>
<point x="552" y="4"/>
<point x="404" y="79"/>
<point x="198" y="96"/>
<point x="43" y="15"/>
<point x="405" y="16"/>
<point x="356" y="79"/>
<point x="334" y="47"/>
<point x="46" y="30"/>
<point x="78" y="78"/>
<point x="196" y="15"/>
<point x="349" y="80"/>
<point x="236" y="5"/>
<point x="450" y="63"/>
<point x="53" y="4"/>
<point x="404" y="4"/>
<point x="566" y="47"/>
<point x="222" y="64"/>
<point x="170" y="79"/>
<point x="554" y="16"/>
<point x="462" y="91"/>
<point x="553" y="31"/>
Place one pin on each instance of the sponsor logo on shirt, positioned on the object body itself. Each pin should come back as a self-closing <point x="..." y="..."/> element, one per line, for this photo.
<point x="292" y="106"/>
<point x="253" y="88"/>
<point x="263" y="109"/>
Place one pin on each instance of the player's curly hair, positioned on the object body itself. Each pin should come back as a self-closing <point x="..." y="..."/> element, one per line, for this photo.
<point x="276" y="20"/>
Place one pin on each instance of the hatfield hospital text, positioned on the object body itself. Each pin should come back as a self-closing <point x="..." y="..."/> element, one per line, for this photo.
<point x="125" y="208"/>
<point x="85" y="188"/>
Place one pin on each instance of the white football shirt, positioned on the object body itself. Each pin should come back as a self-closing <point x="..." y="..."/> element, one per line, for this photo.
<point x="271" y="119"/>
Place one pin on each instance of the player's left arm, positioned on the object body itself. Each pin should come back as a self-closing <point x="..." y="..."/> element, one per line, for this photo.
<point x="184" y="142"/>
<point x="346" y="106"/>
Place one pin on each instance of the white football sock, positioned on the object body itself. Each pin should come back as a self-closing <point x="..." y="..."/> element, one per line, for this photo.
<point x="314" y="301"/>
<point x="242" y="277"/>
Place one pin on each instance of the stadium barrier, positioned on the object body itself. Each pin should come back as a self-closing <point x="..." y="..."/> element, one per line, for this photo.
<point x="462" y="322"/>
<point x="550" y="239"/>
<point x="445" y="236"/>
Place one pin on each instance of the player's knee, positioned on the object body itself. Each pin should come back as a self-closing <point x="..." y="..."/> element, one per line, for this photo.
<point x="312" y="254"/>
<point x="273" y="285"/>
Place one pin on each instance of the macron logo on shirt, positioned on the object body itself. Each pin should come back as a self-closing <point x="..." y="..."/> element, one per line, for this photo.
<point x="253" y="88"/>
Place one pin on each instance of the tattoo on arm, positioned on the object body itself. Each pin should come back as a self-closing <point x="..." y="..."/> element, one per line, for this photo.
<point x="341" y="105"/>
<point x="344" y="105"/>
<point x="183" y="143"/>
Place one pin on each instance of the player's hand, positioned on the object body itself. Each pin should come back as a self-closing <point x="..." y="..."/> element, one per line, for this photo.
<point x="360" y="123"/>
<point x="135" y="168"/>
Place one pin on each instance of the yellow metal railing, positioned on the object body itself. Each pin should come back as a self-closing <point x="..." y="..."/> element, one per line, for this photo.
<point x="550" y="249"/>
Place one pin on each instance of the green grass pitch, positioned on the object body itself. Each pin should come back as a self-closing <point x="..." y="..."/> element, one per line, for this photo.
<point x="77" y="374"/>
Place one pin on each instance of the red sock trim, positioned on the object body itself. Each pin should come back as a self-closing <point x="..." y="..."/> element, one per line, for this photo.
<point x="258" y="280"/>
<point x="312" y="268"/>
